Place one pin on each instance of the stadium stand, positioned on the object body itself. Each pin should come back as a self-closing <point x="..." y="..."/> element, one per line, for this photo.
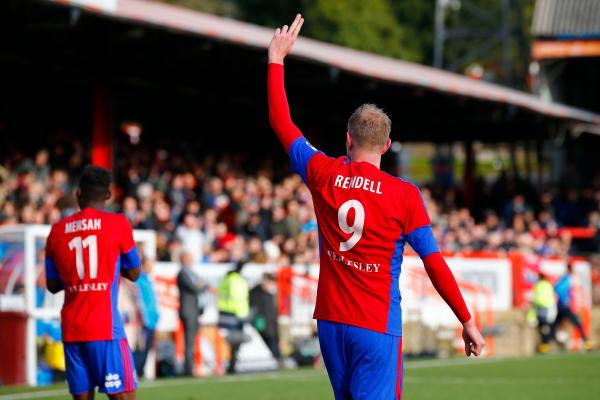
<point x="178" y="73"/>
<point x="233" y="213"/>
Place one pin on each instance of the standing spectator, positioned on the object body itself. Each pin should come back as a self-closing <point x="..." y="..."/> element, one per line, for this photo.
<point x="278" y="225"/>
<point x="41" y="168"/>
<point x="564" y="292"/>
<point x="264" y="312"/>
<point x="190" y="288"/>
<point x="234" y="310"/>
<point x="292" y="220"/>
<point x="569" y="210"/>
<point x="149" y="314"/>
<point x="213" y="191"/>
<point x="544" y="305"/>
<point x="191" y="238"/>
<point x="515" y="207"/>
<point x="177" y="195"/>
<point x="256" y="227"/>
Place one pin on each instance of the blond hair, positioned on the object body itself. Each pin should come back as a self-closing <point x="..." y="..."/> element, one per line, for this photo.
<point x="370" y="127"/>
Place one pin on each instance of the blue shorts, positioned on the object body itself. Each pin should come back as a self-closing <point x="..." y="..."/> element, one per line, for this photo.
<point x="362" y="364"/>
<point x="106" y="364"/>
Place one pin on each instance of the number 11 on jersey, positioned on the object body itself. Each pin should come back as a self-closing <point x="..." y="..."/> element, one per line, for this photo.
<point x="90" y="242"/>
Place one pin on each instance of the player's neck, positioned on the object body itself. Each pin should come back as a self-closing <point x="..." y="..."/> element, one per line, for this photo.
<point x="374" y="159"/>
<point x="95" y="205"/>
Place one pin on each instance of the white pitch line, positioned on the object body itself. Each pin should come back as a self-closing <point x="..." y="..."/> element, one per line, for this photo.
<point x="179" y="382"/>
<point x="307" y="374"/>
<point x="451" y="362"/>
<point x="34" y="395"/>
<point x="445" y="380"/>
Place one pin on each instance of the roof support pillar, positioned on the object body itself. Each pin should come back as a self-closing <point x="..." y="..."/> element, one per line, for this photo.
<point x="469" y="173"/>
<point x="102" y="133"/>
<point x="528" y="165"/>
<point x="540" y="164"/>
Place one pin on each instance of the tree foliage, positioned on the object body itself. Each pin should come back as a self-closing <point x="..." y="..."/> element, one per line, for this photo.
<point x="402" y="29"/>
<point x="365" y="25"/>
<point x="396" y="28"/>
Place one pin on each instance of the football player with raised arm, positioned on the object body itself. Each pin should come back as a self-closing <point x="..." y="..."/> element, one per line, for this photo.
<point x="365" y="218"/>
<point x="86" y="256"/>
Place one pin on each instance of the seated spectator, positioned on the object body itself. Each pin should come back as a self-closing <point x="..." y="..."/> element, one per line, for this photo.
<point x="221" y="212"/>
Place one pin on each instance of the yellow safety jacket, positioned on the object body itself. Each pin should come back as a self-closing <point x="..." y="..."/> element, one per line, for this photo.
<point x="233" y="295"/>
<point x="543" y="294"/>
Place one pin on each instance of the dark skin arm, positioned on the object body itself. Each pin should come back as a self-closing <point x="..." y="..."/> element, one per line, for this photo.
<point x="132" y="273"/>
<point x="54" y="285"/>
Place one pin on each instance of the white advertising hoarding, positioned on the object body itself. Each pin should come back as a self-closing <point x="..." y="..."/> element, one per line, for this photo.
<point x="485" y="283"/>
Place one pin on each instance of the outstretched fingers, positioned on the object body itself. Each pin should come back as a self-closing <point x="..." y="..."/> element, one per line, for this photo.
<point x="293" y="30"/>
<point x="295" y="24"/>
<point x="297" y="28"/>
<point x="283" y="40"/>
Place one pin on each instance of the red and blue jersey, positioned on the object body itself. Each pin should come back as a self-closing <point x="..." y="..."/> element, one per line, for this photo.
<point x="365" y="218"/>
<point x="86" y="252"/>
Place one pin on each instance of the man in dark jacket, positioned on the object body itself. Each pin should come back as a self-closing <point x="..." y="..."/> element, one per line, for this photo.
<point x="190" y="287"/>
<point x="264" y="312"/>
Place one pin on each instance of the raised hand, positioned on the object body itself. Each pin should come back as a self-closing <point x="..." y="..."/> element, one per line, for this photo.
<point x="283" y="40"/>
<point x="474" y="342"/>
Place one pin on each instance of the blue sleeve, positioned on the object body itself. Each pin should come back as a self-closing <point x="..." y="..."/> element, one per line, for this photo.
<point x="131" y="259"/>
<point x="51" y="270"/>
<point x="563" y="289"/>
<point x="141" y="283"/>
<point x="423" y="241"/>
<point x="300" y="154"/>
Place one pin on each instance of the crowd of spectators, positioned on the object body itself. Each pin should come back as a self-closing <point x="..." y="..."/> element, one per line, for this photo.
<point x="220" y="210"/>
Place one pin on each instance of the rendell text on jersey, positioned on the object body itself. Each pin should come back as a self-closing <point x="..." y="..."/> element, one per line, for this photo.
<point x="87" y="252"/>
<point x="365" y="217"/>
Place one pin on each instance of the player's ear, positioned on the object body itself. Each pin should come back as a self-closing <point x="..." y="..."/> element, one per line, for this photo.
<point x="108" y="194"/>
<point x="77" y="193"/>
<point x="348" y="140"/>
<point x="388" y="143"/>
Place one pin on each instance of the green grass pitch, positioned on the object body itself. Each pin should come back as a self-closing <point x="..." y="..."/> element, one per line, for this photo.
<point x="553" y="377"/>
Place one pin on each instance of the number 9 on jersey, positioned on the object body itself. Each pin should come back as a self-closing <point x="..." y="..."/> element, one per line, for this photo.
<point x="356" y="229"/>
